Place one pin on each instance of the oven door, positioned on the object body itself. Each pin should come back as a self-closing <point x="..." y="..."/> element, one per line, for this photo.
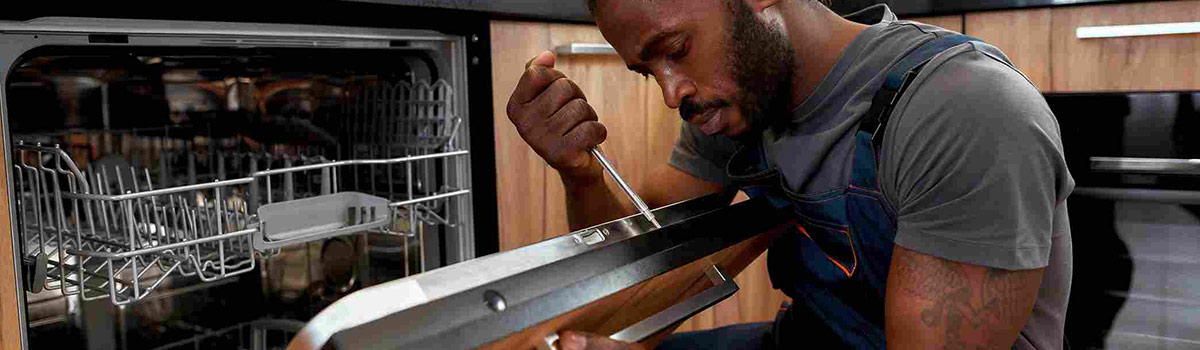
<point x="1135" y="218"/>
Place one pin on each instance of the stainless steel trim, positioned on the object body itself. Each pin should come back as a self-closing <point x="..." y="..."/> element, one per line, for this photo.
<point x="1137" y="30"/>
<point x="1139" y="195"/>
<point x="585" y="49"/>
<point x="722" y="288"/>
<point x="83" y="25"/>
<point x="1159" y="166"/>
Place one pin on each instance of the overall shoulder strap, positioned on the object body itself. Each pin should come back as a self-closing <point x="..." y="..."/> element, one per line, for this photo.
<point x="898" y="78"/>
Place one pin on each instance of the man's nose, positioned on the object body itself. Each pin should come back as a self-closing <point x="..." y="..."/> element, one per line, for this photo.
<point x="675" y="89"/>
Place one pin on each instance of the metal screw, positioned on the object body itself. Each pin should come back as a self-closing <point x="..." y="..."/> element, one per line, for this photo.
<point x="474" y="38"/>
<point x="494" y="300"/>
<point x="475" y="60"/>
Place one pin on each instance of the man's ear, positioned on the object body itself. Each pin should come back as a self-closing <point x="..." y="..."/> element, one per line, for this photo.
<point x="759" y="5"/>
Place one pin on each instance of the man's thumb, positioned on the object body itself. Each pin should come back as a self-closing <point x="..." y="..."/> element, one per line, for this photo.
<point x="545" y="59"/>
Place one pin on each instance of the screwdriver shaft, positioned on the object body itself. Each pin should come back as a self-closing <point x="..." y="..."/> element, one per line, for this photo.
<point x="637" y="201"/>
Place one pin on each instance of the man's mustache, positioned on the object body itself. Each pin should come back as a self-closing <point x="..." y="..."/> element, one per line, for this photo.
<point x="690" y="108"/>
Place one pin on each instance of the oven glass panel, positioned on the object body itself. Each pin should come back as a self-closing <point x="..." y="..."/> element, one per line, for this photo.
<point x="1135" y="218"/>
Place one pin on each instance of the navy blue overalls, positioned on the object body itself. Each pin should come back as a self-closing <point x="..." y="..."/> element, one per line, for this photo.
<point x="834" y="264"/>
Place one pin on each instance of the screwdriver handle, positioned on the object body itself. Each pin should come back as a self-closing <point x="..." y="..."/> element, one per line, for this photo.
<point x="637" y="201"/>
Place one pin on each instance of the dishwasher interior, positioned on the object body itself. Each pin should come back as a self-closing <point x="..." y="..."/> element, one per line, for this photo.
<point x="215" y="190"/>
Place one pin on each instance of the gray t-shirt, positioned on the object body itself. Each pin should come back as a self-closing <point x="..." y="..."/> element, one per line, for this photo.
<point x="972" y="160"/>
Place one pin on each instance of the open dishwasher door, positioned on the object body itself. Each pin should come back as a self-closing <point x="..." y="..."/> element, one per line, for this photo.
<point x="621" y="278"/>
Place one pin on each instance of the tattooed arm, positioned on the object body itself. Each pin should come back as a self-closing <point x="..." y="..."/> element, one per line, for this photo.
<point x="933" y="303"/>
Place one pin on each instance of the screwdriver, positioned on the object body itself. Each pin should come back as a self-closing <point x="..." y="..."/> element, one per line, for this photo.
<point x="637" y="201"/>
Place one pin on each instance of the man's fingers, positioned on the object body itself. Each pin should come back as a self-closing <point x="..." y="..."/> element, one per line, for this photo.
<point x="535" y="80"/>
<point x="554" y="98"/>
<point x="569" y="340"/>
<point x="587" y="134"/>
<point x="572" y="341"/>
<point x="573" y="113"/>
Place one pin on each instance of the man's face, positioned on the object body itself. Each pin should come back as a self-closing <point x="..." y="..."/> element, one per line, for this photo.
<point x="722" y="67"/>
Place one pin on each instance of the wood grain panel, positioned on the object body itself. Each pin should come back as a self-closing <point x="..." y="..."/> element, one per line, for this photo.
<point x="951" y="22"/>
<point x="10" y="326"/>
<point x="520" y="172"/>
<point x="1163" y="62"/>
<point x="1022" y="35"/>
<point x="613" y="313"/>
<point x="614" y="92"/>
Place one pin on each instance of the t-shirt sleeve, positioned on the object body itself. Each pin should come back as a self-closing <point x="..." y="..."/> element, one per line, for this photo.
<point x="973" y="164"/>
<point x="701" y="155"/>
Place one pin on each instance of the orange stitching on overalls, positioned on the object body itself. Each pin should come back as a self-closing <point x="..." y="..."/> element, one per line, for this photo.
<point x="849" y="272"/>
<point x="853" y="252"/>
<point x="865" y="189"/>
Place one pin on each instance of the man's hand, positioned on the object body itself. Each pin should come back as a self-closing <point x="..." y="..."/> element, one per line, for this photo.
<point x="552" y="115"/>
<point x="938" y="303"/>
<point x="569" y="340"/>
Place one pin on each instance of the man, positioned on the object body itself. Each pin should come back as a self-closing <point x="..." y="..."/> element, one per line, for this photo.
<point x="943" y="227"/>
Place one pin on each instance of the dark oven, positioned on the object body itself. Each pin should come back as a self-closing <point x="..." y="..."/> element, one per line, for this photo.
<point x="214" y="182"/>
<point x="1135" y="218"/>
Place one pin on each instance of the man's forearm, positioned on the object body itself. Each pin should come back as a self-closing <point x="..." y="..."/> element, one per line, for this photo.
<point x="937" y="303"/>
<point x="593" y="201"/>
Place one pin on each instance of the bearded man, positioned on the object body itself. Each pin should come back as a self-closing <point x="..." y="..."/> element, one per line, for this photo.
<point x="926" y="172"/>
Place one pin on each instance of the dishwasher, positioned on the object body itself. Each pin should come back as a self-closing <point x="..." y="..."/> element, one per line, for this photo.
<point x="180" y="184"/>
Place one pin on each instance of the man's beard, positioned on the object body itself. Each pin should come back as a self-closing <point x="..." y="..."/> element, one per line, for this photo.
<point x="763" y="65"/>
<point x="761" y="60"/>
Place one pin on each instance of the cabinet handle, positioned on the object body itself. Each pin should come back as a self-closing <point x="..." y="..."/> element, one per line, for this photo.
<point x="1154" y="166"/>
<point x="1138" y="195"/>
<point x="585" y="49"/>
<point x="722" y="288"/>
<point x="1137" y="30"/>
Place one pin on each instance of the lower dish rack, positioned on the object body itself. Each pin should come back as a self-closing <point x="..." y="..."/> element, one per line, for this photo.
<point x="108" y="232"/>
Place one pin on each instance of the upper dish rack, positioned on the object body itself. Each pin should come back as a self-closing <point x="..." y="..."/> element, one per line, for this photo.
<point x="107" y="231"/>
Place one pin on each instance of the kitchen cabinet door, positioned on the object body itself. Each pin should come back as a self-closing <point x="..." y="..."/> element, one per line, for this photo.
<point x="1022" y="35"/>
<point x="951" y="22"/>
<point x="520" y="172"/>
<point x="1125" y="63"/>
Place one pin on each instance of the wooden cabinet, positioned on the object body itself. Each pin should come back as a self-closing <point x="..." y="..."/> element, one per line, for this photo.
<point x="1156" y="62"/>
<point x="520" y="173"/>
<point x="1022" y="35"/>
<point x="951" y="22"/>
<point x="641" y="133"/>
<point x="10" y="325"/>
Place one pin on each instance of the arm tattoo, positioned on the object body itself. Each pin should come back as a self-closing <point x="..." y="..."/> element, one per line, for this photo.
<point x="970" y="304"/>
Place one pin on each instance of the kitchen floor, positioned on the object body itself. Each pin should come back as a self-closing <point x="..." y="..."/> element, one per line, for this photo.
<point x="1162" y="310"/>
